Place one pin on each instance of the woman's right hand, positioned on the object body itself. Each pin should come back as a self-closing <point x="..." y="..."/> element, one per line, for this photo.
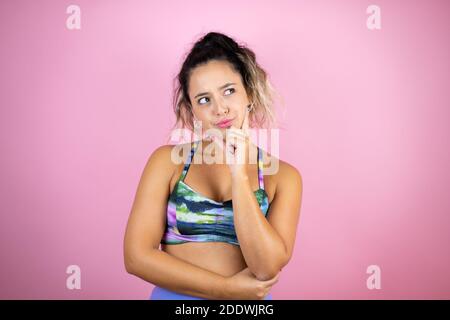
<point x="244" y="285"/>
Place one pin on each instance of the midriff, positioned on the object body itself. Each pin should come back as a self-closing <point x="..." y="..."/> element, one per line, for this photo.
<point x="222" y="258"/>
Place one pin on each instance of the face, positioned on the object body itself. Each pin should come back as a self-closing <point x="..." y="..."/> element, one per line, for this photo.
<point x="217" y="93"/>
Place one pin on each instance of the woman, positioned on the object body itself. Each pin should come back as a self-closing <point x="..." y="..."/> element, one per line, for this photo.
<point x="227" y="228"/>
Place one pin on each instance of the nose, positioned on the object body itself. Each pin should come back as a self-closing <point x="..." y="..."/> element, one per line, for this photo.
<point x="220" y="107"/>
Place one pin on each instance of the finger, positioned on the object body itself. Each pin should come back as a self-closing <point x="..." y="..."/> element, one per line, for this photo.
<point x="208" y="137"/>
<point x="270" y="284"/>
<point x="236" y="133"/>
<point x="244" y="125"/>
<point x="236" y="139"/>
<point x="218" y="142"/>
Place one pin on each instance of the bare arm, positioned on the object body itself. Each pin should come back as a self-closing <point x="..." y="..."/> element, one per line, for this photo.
<point x="144" y="231"/>
<point x="262" y="247"/>
<point x="267" y="243"/>
<point x="167" y="271"/>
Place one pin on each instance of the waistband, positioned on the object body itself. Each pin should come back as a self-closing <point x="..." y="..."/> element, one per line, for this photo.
<point x="159" y="293"/>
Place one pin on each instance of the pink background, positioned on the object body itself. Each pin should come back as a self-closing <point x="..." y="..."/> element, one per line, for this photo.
<point x="366" y="123"/>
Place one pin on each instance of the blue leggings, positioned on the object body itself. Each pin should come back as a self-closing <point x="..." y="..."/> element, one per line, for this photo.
<point x="159" y="293"/>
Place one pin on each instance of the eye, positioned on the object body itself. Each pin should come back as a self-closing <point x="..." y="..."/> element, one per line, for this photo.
<point x="230" y="89"/>
<point x="201" y="100"/>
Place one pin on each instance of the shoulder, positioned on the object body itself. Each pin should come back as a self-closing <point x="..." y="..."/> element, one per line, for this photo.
<point x="162" y="162"/>
<point x="169" y="154"/>
<point x="161" y="155"/>
<point x="283" y="173"/>
<point x="287" y="169"/>
<point x="289" y="176"/>
<point x="168" y="157"/>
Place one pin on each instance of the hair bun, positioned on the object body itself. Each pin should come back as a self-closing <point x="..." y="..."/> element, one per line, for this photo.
<point x="220" y="40"/>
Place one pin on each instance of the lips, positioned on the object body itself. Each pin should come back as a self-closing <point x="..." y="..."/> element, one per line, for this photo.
<point x="225" y="123"/>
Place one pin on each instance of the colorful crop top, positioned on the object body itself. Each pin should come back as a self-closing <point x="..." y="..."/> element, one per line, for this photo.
<point x="192" y="217"/>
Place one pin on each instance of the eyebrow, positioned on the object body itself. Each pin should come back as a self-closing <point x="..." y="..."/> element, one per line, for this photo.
<point x="222" y="87"/>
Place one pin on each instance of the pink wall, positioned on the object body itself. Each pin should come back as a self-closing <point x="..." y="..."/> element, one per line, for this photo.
<point x="365" y="123"/>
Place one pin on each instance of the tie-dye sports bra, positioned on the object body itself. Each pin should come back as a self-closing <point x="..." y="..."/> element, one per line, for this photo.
<point x="192" y="217"/>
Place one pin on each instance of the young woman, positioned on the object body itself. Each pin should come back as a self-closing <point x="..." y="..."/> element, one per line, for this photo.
<point x="226" y="229"/>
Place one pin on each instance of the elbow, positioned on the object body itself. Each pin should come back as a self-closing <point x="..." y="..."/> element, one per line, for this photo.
<point x="130" y="263"/>
<point x="270" y="272"/>
<point x="128" y="266"/>
<point x="264" y="275"/>
<point x="133" y="260"/>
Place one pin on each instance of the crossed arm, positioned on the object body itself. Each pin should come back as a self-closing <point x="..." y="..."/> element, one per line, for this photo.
<point x="267" y="244"/>
<point x="144" y="231"/>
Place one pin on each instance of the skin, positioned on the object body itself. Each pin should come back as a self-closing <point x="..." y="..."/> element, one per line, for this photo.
<point x="215" y="270"/>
